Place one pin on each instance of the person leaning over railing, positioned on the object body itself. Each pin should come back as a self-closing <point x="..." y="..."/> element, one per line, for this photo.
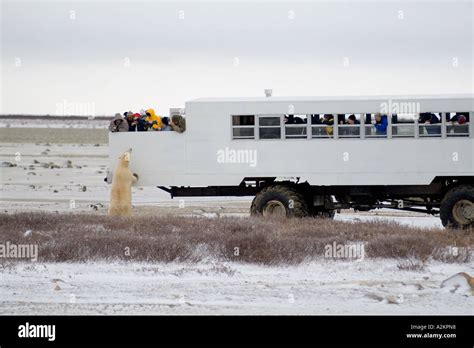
<point x="132" y="119"/>
<point x="429" y="118"/>
<point x="154" y="121"/>
<point x="178" y="123"/>
<point x="142" y="124"/>
<point x="329" y="120"/>
<point x="166" y="124"/>
<point x="459" y="125"/>
<point x="352" y="121"/>
<point x="380" y="124"/>
<point x="118" y="124"/>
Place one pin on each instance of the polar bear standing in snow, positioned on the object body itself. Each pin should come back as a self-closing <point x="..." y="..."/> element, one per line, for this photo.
<point x="121" y="194"/>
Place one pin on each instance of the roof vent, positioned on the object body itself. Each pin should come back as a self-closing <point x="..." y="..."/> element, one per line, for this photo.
<point x="268" y="93"/>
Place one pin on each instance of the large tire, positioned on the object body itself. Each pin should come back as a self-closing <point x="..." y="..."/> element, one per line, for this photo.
<point x="457" y="207"/>
<point x="279" y="201"/>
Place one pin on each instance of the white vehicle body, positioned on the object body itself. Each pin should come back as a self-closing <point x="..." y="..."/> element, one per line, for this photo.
<point x="419" y="156"/>
<point x="192" y="158"/>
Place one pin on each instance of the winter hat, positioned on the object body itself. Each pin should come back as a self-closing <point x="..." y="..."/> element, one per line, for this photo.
<point x="151" y="112"/>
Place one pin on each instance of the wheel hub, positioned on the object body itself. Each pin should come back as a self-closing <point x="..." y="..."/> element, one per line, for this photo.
<point x="463" y="211"/>
<point x="274" y="208"/>
<point x="468" y="211"/>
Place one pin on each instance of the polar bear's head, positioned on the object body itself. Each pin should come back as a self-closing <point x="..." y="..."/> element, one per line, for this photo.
<point x="125" y="158"/>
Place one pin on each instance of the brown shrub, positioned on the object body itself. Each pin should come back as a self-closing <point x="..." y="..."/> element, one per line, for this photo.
<point x="411" y="265"/>
<point x="84" y="237"/>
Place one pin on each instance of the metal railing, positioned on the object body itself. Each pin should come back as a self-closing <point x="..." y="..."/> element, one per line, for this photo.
<point x="403" y="130"/>
<point x="457" y="130"/>
<point x="295" y="131"/>
<point x="349" y="131"/>
<point x="322" y="131"/>
<point x="372" y="132"/>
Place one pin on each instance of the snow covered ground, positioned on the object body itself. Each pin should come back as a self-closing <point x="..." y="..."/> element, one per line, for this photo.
<point x="324" y="287"/>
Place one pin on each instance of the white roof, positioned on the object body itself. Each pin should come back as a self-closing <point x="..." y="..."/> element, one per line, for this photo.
<point x="332" y="98"/>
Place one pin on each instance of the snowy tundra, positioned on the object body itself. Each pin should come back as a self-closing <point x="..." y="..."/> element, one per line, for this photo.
<point x="64" y="176"/>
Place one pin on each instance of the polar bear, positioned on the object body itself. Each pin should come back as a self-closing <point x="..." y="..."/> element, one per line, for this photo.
<point x="121" y="193"/>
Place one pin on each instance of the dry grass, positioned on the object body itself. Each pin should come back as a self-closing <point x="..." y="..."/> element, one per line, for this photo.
<point x="411" y="265"/>
<point x="75" y="237"/>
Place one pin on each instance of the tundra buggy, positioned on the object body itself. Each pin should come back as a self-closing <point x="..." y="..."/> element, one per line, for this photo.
<point x="311" y="156"/>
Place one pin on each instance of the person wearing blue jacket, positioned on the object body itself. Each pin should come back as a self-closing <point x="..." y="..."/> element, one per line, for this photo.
<point x="381" y="124"/>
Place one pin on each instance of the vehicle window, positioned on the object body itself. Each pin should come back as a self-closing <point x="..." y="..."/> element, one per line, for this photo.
<point x="295" y="126"/>
<point x="349" y="126"/>
<point x="429" y="124"/>
<point x="269" y="127"/>
<point x="376" y="125"/>
<point x="243" y="127"/>
<point x="403" y="125"/>
<point x="322" y="125"/>
<point x="457" y="124"/>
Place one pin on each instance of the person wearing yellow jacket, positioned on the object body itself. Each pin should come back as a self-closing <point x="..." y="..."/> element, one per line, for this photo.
<point x="329" y="120"/>
<point x="154" y="120"/>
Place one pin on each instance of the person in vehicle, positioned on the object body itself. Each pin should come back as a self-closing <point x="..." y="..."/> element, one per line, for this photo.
<point x="428" y="118"/>
<point x="153" y="120"/>
<point x="380" y="124"/>
<point x="315" y="119"/>
<point x="132" y="120"/>
<point x="178" y="123"/>
<point x="329" y="120"/>
<point x="352" y="121"/>
<point x="458" y="122"/>
<point x="118" y="124"/>
<point x="166" y="124"/>
<point x="343" y="131"/>
<point x="292" y="119"/>
<point x="142" y="125"/>
<point x="289" y="119"/>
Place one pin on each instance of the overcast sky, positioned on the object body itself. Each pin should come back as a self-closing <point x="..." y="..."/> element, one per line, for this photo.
<point x="113" y="56"/>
